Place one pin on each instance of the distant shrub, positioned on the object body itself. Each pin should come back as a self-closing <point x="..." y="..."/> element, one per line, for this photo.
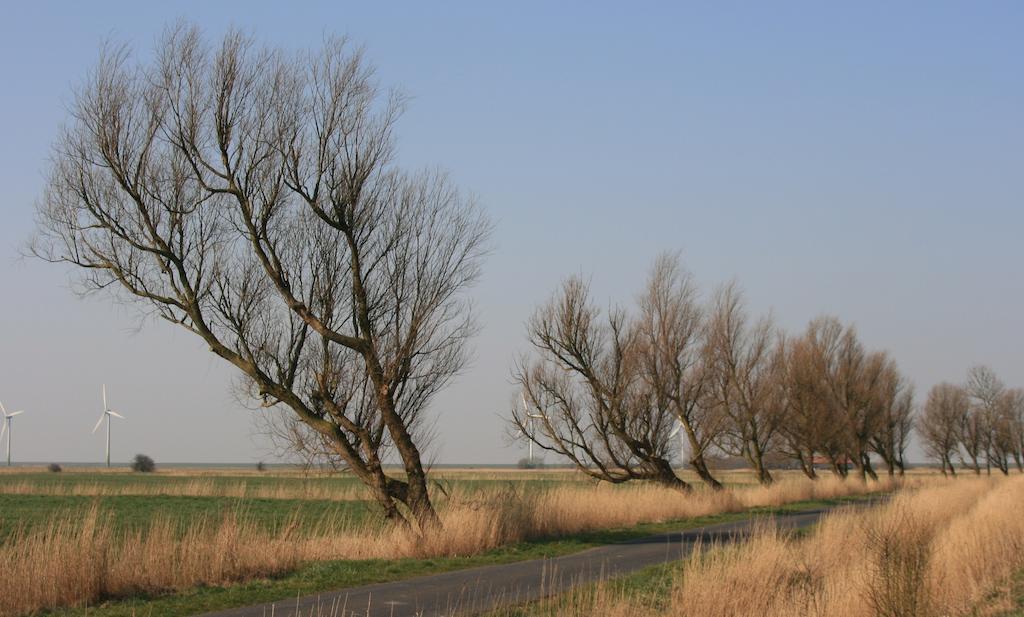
<point x="54" y="467"/>
<point x="527" y="463"/>
<point x="260" y="466"/>
<point x="143" y="463"/>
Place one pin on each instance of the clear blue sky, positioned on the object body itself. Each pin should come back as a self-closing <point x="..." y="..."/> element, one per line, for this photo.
<point x="862" y="159"/>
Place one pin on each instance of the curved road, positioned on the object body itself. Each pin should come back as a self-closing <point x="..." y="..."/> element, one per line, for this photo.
<point x="476" y="590"/>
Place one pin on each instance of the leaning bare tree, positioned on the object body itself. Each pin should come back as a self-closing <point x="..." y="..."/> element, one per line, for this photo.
<point x="809" y="424"/>
<point x="744" y="366"/>
<point x="989" y="419"/>
<point x="852" y="377"/>
<point x="1013" y="399"/>
<point x="940" y="421"/>
<point x="249" y="195"/>
<point x="894" y="398"/>
<point x="674" y="357"/>
<point x="586" y="389"/>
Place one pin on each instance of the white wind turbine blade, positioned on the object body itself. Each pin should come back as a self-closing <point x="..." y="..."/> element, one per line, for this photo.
<point x="4" y="428"/>
<point x="100" y="421"/>
<point x="675" y="431"/>
<point x="114" y="413"/>
<point x="526" y="409"/>
<point x="104" y="397"/>
<point x="15" y="413"/>
<point x="4" y="410"/>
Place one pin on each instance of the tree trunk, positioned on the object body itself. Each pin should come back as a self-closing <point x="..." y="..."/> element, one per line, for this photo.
<point x="858" y="464"/>
<point x="697" y="460"/>
<point x="976" y="465"/>
<point x="839" y="470"/>
<point x="419" y="503"/>
<point x="385" y="495"/>
<point x="665" y="476"/>
<point x="806" y="464"/>
<point x="701" y="467"/>
<point x="756" y="459"/>
<point x="869" y="469"/>
<point x="890" y="467"/>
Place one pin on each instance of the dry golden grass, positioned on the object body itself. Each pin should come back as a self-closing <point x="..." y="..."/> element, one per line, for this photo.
<point x="933" y="551"/>
<point x="941" y="549"/>
<point x="74" y="561"/>
<point x="480" y="521"/>
<point x="291" y="484"/>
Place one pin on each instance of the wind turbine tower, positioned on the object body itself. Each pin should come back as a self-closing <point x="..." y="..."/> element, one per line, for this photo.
<point x="683" y="445"/>
<point x="529" y="424"/>
<point x="107" y="413"/>
<point x="7" y="429"/>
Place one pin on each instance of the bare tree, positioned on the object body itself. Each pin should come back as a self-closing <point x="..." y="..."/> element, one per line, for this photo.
<point x="985" y="391"/>
<point x="744" y="365"/>
<point x="248" y="195"/>
<point x="894" y="397"/>
<point x="1004" y="437"/>
<point x="1014" y="402"/>
<point x="809" y="424"/>
<point x="674" y="358"/>
<point x="852" y="376"/>
<point x="972" y="435"/>
<point x="940" y="423"/>
<point x="822" y="340"/>
<point x="586" y="388"/>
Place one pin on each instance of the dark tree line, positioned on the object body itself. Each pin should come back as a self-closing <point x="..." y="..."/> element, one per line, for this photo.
<point x="611" y="387"/>
<point x="979" y="423"/>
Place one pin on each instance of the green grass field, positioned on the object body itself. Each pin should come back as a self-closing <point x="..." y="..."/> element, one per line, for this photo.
<point x="134" y="500"/>
<point x="138" y="512"/>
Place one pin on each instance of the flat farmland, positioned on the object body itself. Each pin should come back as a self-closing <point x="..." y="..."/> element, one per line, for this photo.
<point x="193" y="539"/>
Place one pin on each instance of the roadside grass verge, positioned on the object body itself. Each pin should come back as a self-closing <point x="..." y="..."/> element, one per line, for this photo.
<point x="949" y="549"/>
<point x="1013" y="605"/>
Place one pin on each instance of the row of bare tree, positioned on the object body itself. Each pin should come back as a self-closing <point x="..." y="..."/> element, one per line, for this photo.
<point x="979" y="422"/>
<point x="609" y="391"/>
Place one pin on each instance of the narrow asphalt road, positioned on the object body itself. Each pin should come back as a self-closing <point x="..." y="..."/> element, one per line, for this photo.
<point x="476" y="590"/>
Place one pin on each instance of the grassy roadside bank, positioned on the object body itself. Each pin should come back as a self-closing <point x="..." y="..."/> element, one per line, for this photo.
<point x="948" y="550"/>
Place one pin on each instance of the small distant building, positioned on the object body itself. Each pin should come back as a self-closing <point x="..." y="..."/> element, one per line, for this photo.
<point x="824" y="462"/>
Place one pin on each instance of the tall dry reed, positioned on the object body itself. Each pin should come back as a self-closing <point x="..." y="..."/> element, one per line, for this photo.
<point x="941" y="549"/>
<point x="76" y="560"/>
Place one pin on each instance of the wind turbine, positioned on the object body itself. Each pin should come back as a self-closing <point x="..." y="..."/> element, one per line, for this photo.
<point x="107" y="412"/>
<point x="682" y="441"/>
<point x="7" y="429"/>
<point x="529" y="423"/>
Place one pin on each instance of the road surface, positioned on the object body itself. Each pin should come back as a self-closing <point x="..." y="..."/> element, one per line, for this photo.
<point x="476" y="590"/>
